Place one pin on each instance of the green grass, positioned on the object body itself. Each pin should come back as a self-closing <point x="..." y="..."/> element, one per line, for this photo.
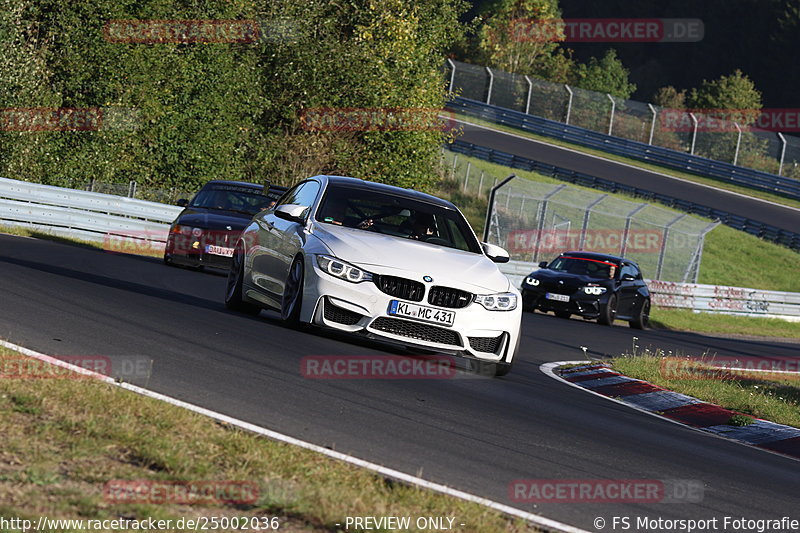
<point x="769" y="397"/>
<point x="636" y="163"/>
<point x="64" y="439"/>
<point x="713" y="323"/>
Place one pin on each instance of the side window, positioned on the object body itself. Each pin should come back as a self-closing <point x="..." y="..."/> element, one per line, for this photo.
<point x="303" y="194"/>
<point x="630" y="270"/>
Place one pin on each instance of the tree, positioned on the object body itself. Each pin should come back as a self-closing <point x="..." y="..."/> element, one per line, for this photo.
<point x="607" y="75"/>
<point x="520" y="36"/>
<point x="735" y="92"/>
<point x="670" y="98"/>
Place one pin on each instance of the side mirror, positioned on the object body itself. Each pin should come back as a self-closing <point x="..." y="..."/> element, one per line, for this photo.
<point x="543" y="264"/>
<point x="628" y="277"/>
<point x="495" y="253"/>
<point x="291" y="212"/>
<point x="183" y="202"/>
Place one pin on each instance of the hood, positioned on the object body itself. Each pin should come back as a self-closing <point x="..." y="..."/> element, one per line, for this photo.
<point x="213" y="218"/>
<point x="385" y="254"/>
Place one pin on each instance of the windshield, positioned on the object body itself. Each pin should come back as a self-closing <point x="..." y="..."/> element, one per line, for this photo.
<point x="397" y="216"/>
<point x="229" y="198"/>
<point x="584" y="267"/>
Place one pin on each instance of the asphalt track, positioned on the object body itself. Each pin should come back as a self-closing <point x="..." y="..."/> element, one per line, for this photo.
<point x="783" y="217"/>
<point x="475" y="434"/>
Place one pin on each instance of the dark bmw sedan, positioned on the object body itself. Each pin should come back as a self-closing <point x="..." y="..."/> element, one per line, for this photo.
<point x="591" y="285"/>
<point x="207" y="229"/>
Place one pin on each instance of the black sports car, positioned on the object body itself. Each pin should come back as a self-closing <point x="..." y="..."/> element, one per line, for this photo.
<point x="591" y="285"/>
<point x="206" y="231"/>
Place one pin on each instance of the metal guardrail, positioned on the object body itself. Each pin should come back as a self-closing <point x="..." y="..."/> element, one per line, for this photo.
<point x="701" y="166"/>
<point x="753" y="227"/>
<point x="698" y="297"/>
<point x="81" y="214"/>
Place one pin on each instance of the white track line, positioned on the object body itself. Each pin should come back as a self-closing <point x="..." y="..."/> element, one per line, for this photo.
<point x="388" y="472"/>
<point x="629" y="165"/>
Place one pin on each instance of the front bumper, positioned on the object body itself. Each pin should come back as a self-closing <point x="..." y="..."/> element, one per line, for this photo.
<point x="580" y="303"/>
<point x="362" y="308"/>
<point x="192" y="250"/>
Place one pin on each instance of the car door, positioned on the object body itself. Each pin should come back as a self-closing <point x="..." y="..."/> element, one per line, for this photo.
<point x="279" y="240"/>
<point x="628" y="289"/>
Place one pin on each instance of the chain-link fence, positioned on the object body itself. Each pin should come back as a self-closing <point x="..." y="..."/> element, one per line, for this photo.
<point x="705" y="135"/>
<point x="132" y="190"/>
<point x="537" y="221"/>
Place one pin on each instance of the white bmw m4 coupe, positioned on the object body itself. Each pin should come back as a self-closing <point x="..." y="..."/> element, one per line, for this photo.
<point x="391" y="264"/>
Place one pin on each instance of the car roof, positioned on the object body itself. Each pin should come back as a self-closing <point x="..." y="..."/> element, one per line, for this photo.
<point x="233" y="182"/>
<point x="599" y="257"/>
<point x="390" y="189"/>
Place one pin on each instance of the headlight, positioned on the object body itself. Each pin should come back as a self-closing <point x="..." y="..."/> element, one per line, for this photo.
<point x="531" y="281"/>
<point x="506" y="301"/>
<point x="594" y="290"/>
<point x="340" y="269"/>
<point x="181" y="230"/>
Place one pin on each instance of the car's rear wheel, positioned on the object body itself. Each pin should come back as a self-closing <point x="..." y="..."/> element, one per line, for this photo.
<point x="608" y="311"/>
<point x="642" y="318"/>
<point x="233" y="292"/>
<point x="293" y="294"/>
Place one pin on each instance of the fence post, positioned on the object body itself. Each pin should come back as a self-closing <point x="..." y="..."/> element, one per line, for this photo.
<point x="694" y="133"/>
<point x="738" y="143"/>
<point x="455" y="161"/>
<point x="653" y="124"/>
<point x="452" y="74"/>
<point x="611" y="118"/>
<point x="530" y="90"/>
<point x="569" y="103"/>
<point x="491" y="82"/>
<point x="132" y="189"/>
<point x="542" y="216"/>
<point x="490" y="206"/>
<point x="664" y="243"/>
<point x="783" y="153"/>
<point x="628" y="218"/>
<point x="480" y="184"/>
<point x="466" y="175"/>
<point x="586" y="215"/>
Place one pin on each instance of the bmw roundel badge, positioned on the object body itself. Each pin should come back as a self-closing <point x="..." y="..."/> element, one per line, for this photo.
<point x="427" y="278"/>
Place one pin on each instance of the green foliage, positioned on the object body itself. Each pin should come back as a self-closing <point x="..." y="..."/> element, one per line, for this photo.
<point x="669" y="97"/>
<point x="607" y="75"/>
<point x="191" y="112"/>
<point x="734" y="92"/>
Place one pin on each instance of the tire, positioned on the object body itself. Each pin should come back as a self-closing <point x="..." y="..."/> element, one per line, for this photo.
<point x="608" y="312"/>
<point x="233" y="290"/>
<point x="562" y="314"/>
<point x="642" y="318"/>
<point x="168" y="259"/>
<point x="293" y="294"/>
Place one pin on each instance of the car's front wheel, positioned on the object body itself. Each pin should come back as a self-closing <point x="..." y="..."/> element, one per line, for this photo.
<point x="233" y="292"/>
<point x="642" y="318"/>
<point x="608" y="311"/>
<point x="293" y="294"/>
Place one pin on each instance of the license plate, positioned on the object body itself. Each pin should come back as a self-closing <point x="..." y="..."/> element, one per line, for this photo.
<point x="558" y="297"/>
<point x="219" y="250"/>
<point x="420" y="312"/>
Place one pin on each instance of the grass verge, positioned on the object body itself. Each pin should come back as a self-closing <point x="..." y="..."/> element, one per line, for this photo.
<point x="772" y="398"/>
<point x="713" y="323"/>
<point x="65" y="438"/>
<point x="636" y="163"/>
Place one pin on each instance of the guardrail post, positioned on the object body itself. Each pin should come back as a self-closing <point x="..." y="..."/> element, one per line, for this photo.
<point x="452" y="74"/>
<point x="664" y="243"/>
<point x="586" y="215"/>
<point x="132" y="189"/>
<point x="611" y="118"/>
<point x="694" y="133"/>
<point x="783" y="153"/>
<point x="530" y="90"/>
<point x="491" y="82"/>
<point x="738" y="143"/>
<point x="628" y="219"/>
<point x="542" y="216"/>
<point x="569" y="103"/>
<point x="653" y="123"/>
<point x="490" y="207"/>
